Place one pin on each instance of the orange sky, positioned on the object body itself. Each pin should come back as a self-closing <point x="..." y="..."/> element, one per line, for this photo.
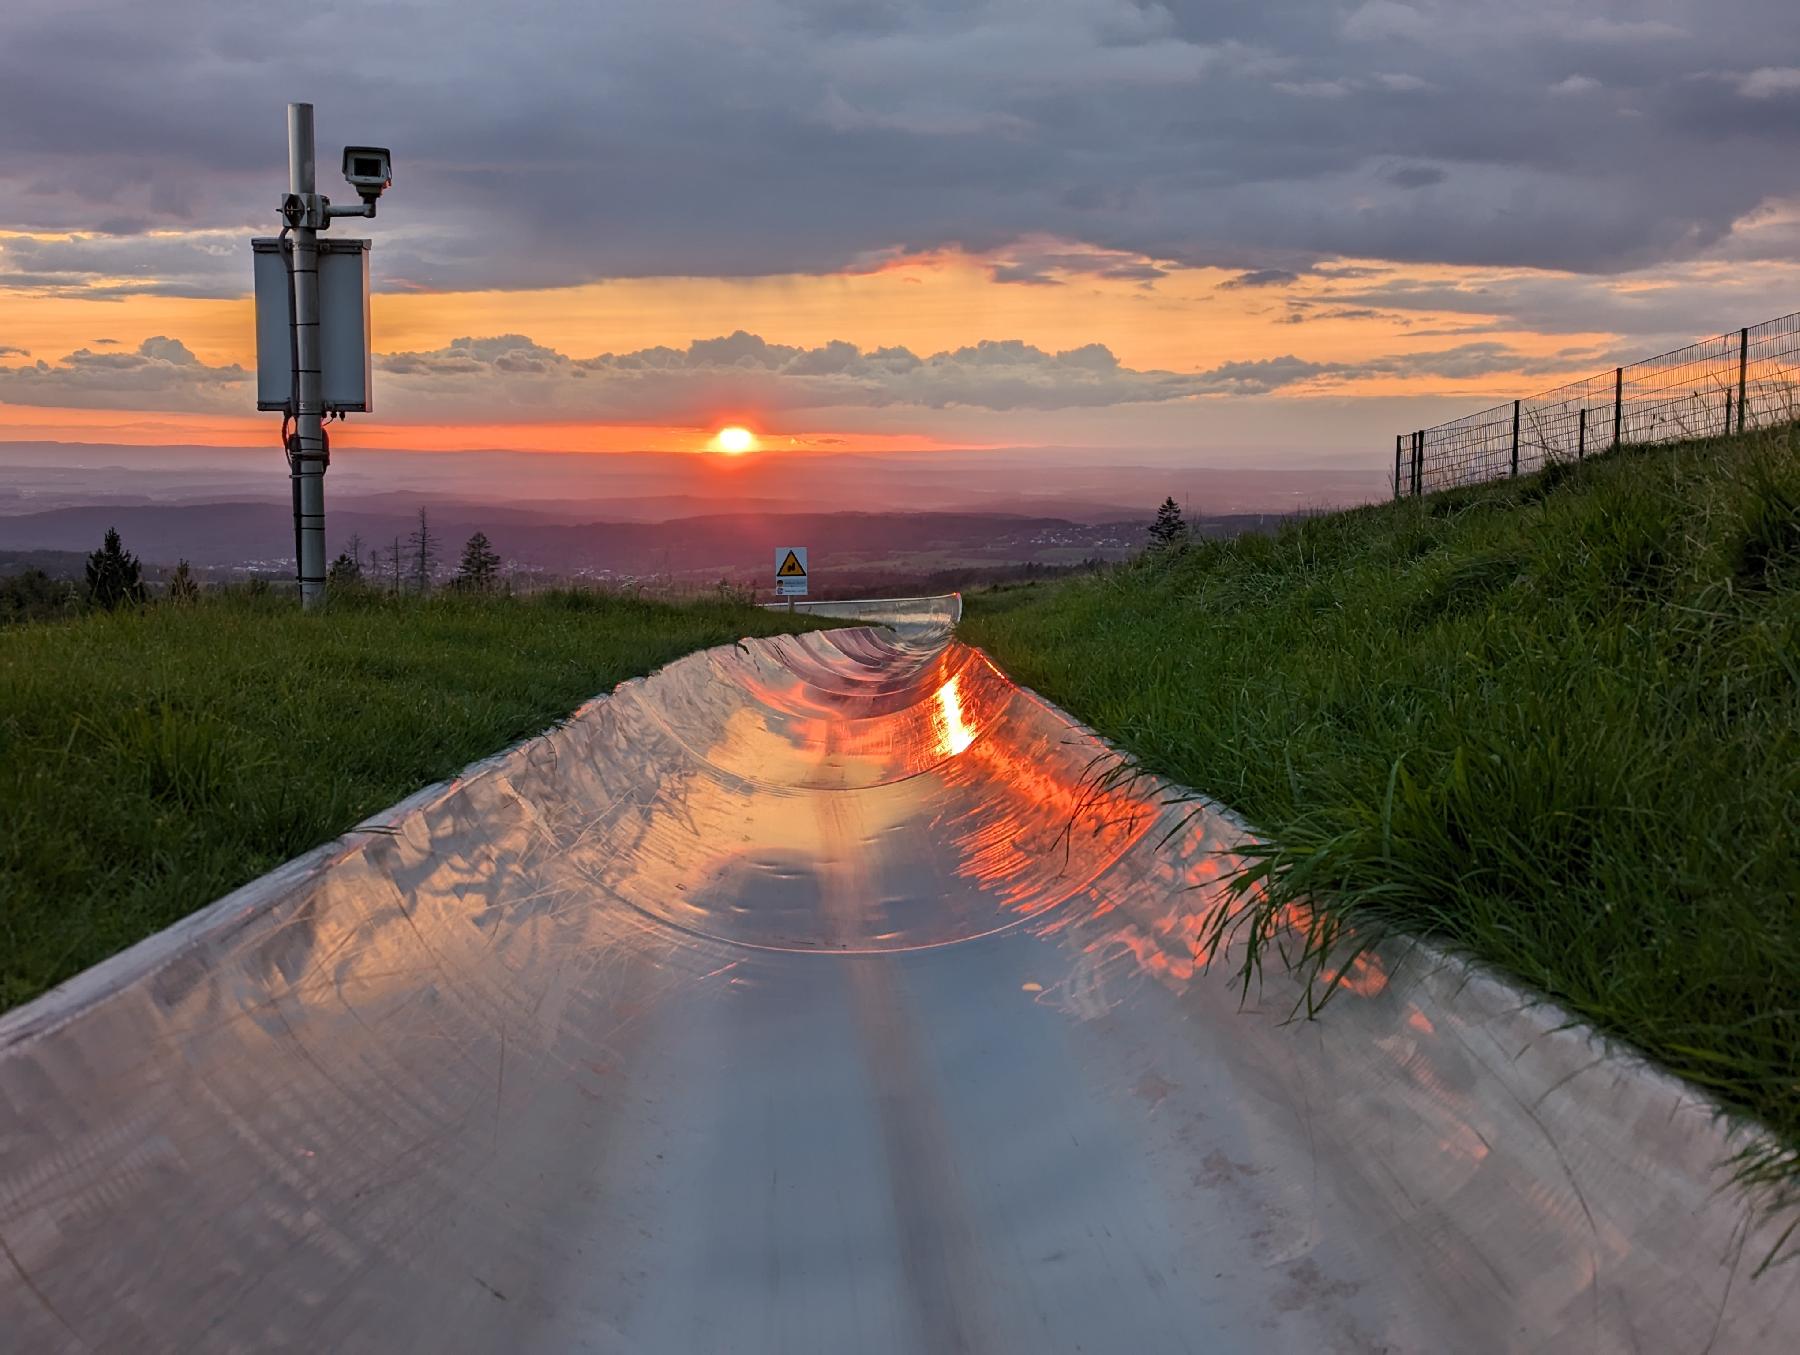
<point x="1187" y="321"/>
<point x="1190" y="320"/>
<point x="27" y="423"/>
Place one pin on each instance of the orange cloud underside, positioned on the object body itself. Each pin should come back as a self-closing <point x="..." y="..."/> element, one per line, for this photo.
<point x="217" y="331"/>
<point x="1187" y="322"/>
<point x="928" y="303"/>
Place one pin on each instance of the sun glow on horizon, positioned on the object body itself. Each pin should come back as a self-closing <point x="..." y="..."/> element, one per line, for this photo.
<point x="734" y="441"/>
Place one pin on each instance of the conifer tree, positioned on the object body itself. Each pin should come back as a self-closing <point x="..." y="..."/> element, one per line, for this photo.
<point x="1169" y="530"/>
<point x="344" y="572"/>
<point x="480" y="566"/>
<point x="113" y="575"/>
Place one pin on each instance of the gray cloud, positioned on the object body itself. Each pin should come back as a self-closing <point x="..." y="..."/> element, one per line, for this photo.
<point x="1039" y="262"/>
<point x="1259" y="376"/>
<point x="1650" y="318"/>
<point x="1466" y="361"/>
<point x="1262" y="277"/>
<point x="737" y="137"/>
<point x="508" y="375"/>
<point x="162" y="374"/>
<point x="1021" y="273"/>
<point x="1770" y="82"/>
<point x="743" y="371"/>
<point x="106" y="267"/>
<point x="1301" y="312"/>
<point x="1415" y="176"/>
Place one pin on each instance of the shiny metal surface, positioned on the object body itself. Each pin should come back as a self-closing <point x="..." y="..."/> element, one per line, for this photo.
<point x="812" y="995"/>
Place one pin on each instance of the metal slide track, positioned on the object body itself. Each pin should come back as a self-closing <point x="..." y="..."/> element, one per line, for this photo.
<point x="815" y="994"/>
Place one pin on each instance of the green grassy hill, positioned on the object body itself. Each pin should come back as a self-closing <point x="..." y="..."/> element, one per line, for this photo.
<point x="1554" y="722"/>
<point x="153" y="760"/>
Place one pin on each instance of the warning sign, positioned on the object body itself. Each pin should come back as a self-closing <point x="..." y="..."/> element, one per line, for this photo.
<point x="790" y="572"/>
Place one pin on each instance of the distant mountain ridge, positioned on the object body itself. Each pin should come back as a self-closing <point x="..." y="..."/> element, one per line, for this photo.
<point x="1083" y="486"/>
<point x="737" y="545"/>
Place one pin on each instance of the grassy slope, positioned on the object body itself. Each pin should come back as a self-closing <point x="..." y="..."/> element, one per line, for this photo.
<point x="1552" y="721"/>
<point x="151" y="761"/>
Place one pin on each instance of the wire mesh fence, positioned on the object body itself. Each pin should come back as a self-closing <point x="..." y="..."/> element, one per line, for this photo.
<point x="1744" y="379"/>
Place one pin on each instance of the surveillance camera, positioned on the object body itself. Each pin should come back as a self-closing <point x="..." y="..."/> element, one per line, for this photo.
<point x="369" y="169"/>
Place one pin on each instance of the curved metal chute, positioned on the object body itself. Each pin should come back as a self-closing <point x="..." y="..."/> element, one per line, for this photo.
<point x="825" y="993"/>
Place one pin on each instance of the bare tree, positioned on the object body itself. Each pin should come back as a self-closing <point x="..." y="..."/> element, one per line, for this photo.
<point x="424" y="553"/>
<point x="394" y="561"/>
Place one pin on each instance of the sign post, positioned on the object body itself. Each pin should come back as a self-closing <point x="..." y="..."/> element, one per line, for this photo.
<point x="790" y="573"/>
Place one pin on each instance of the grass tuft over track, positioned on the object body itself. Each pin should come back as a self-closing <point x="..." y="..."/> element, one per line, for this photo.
<point x="1553" y="722"/>
<point x="153" y="760"/>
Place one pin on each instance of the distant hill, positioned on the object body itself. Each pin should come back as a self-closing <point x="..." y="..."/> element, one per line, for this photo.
<point x="58" y="564"/>
<point x="736" y="545"/>
<point x="1083" y="485"/>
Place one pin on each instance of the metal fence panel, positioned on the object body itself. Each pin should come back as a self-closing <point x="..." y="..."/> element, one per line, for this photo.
<point x="1744" y="379"/>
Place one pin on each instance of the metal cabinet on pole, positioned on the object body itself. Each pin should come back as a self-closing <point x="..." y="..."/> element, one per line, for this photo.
<point x="312" y="327"/>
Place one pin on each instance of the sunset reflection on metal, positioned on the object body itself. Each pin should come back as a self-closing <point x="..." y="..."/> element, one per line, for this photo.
<point x="956" y="735"/>
<point x="829" y="992"/>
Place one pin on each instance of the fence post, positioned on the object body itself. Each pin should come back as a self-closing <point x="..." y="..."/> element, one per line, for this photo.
<point x="1618" y="403"/>
<point x="1418" y="462"/>
<point x="1581" y="435"/>
<point x="1743" y="375"/>
<point x="1728" y="411"/>
<point x="1515" y="449"/>
<point x="1398" y="438"/>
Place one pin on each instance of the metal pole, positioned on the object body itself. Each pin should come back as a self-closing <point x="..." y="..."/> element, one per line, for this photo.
<point x="1515" y="447"/>
<point x="308" y="447"/>
<point x="1743" y="376"/>
<point x="1618" y="403"/>
<point x="1581" y="435"/>
<point x="1398" y="438"/>
<point x="1728" y="411"/>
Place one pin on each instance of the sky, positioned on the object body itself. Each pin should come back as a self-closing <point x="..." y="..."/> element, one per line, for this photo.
<point x="1239" y="232"/>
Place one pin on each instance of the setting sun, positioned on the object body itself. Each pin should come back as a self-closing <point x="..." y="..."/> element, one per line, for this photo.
<point x="735" y="440"/>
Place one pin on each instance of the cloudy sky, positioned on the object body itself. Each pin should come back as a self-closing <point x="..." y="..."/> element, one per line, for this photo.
<point x="1236" y="230"/>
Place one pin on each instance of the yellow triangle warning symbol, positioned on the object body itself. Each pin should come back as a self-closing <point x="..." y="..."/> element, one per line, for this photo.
<point x="791" y="568"/>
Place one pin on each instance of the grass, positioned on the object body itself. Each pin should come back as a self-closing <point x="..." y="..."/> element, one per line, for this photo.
<point x="1551" y="722"/>
<point x="153" y="760"/>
